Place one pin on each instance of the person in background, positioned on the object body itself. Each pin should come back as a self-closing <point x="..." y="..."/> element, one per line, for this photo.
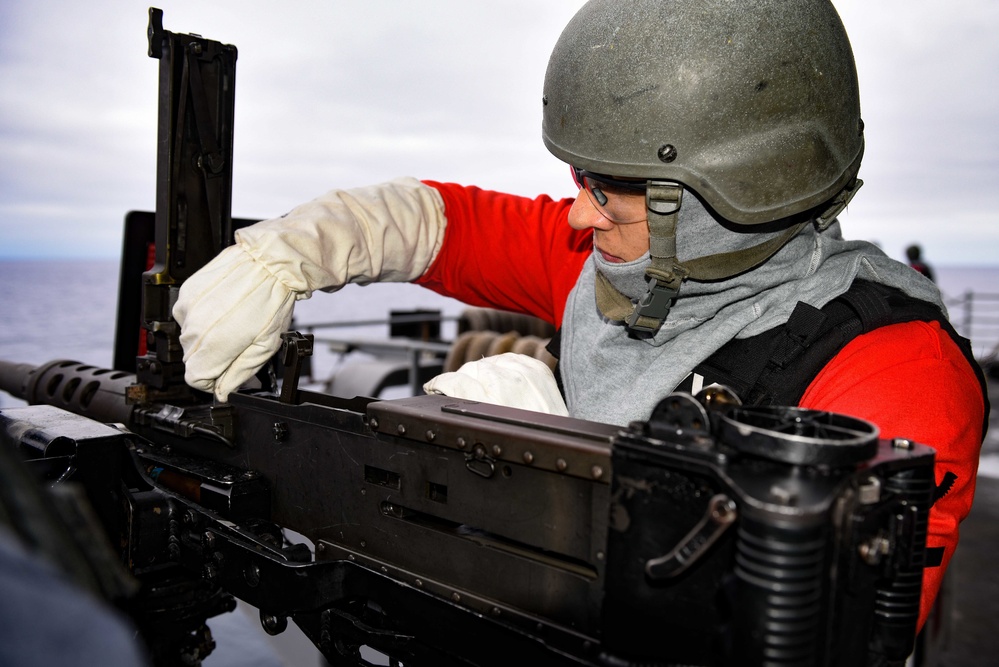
<point x="915" y="256"/>
<point x="714" y="146"/>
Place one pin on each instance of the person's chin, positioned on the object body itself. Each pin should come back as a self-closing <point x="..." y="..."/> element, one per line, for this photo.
<point x="611" y="259"/>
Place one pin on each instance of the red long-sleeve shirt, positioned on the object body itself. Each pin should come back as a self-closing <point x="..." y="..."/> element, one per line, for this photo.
<point x="911" y="379"/>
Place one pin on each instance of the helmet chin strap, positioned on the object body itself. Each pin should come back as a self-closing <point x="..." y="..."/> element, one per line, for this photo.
<point x="665" y="273"/>
<point x="663" y="200"/>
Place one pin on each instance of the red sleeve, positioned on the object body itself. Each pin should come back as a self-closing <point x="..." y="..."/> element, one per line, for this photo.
<point x="508" y="252"/>
<point x="912" y="381"/>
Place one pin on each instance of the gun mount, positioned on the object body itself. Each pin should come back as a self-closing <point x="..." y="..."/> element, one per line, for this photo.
<point x="440" y="531"/>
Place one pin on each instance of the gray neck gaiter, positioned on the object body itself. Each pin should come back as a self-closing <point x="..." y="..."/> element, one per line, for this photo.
<point x="614" y="378"/>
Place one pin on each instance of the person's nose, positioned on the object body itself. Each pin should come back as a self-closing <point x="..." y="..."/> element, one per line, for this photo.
<point x="584" y="215"/>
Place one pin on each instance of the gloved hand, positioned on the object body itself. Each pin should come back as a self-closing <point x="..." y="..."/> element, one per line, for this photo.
<point x="233" y="311"/>
<point x="510" y="379"/>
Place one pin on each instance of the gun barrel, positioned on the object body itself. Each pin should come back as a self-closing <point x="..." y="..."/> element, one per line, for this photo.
<point x="86" y="390"/>
<point x="13" y="376"/>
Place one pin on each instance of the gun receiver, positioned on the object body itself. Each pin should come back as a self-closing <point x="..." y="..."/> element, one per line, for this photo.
<point x="442" y="531"/>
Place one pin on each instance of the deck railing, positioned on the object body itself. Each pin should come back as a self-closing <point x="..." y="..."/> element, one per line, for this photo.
<point x="420" y="342"/>
<point x="975" y="315"/>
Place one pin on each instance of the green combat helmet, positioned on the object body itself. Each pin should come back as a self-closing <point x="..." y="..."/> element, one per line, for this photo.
<point x="753" y="105"/>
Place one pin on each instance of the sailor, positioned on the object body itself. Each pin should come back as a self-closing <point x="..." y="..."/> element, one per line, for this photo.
<point x="714" y="145"/>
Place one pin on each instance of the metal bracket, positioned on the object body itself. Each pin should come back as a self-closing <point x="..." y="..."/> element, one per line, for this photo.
<point x="720" y="515"/>
<point x="479" y="462"/>
<point x="295" y="348"/>
<point x="155" y="32"/>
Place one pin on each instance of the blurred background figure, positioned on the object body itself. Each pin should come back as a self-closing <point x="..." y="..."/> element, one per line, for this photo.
<point x="914" y="253"/>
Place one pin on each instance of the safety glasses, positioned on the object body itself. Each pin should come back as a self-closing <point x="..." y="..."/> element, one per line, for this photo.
<point x="620" y="201"/>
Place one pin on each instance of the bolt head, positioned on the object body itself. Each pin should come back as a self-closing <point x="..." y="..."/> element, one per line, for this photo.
<point x="666" y="153"/>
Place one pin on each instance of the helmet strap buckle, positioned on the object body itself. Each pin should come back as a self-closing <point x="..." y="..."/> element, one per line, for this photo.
<point x="645" y="316"/>
<point x="663" y="200"/>
<point x="651" y="310"/>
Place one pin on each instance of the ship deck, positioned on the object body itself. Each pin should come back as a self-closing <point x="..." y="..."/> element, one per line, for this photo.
<point x="971" y="634"/>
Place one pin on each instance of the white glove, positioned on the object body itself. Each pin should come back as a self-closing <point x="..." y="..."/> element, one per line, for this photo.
<point x="510" y="379"/>
<point x="233" y="311"/>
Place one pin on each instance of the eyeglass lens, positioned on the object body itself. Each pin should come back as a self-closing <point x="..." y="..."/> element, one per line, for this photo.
<point x="618" y="204"/>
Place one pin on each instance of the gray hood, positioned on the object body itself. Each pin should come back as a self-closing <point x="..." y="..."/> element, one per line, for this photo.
<point x="611" y="377"/>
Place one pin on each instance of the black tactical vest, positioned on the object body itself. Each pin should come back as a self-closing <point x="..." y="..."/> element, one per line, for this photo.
<point x="776" y="366"/>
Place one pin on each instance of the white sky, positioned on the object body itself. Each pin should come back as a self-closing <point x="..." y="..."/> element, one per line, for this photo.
<point x="337" y="93"/>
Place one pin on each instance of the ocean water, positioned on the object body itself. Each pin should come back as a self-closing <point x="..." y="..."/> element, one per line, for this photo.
<point x="66" y="310"/>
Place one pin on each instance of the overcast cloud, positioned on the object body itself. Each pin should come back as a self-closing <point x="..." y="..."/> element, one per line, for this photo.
<point x="338" y="93"/>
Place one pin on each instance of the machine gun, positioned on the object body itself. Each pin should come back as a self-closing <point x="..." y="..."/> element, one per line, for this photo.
<point x="441" y="531"/>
